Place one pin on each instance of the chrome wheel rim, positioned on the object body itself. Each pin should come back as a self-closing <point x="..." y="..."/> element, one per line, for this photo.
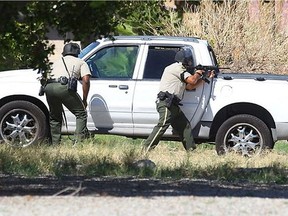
<point x="18" y="128"/>
<point x="243" y="138"/>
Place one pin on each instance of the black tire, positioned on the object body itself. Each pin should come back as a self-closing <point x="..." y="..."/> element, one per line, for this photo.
<point x="22" y="123"/>
<point x="244" y="134"/>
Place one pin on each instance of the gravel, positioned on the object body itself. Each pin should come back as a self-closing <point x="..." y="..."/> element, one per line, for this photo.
<point x="161" y="205"/>
<point x="74" y="195"/>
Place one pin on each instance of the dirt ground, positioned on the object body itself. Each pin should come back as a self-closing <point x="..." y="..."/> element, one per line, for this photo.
<point x="131" y="187"/>
<point x="79" y="195"/>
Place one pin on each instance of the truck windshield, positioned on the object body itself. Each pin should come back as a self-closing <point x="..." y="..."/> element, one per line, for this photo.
<point x="88" y="48"/>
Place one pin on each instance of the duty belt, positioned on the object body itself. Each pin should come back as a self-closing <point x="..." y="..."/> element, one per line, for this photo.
<point x="63" y="80"/>
<point x="169" y="98"/>
<point x="52" y="81"/>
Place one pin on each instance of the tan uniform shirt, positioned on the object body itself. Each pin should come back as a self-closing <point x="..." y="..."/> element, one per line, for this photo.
<point x="171" y="80"/>
<point x="75" y="66"/>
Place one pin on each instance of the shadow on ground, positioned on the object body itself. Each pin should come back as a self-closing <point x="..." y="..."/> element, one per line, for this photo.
<point x="132" y="187"/>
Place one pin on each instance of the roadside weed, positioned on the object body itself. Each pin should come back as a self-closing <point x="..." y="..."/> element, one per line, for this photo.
<point x="114" y="156"/>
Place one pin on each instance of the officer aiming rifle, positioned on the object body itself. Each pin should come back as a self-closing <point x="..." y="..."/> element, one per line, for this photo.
<point x="175" y="79"/>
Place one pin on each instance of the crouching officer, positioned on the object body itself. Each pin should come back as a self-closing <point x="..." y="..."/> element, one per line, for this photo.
<point x="58" y="94"/>
<point x="174" y="81"/>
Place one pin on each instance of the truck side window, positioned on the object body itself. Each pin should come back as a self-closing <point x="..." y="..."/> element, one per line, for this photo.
<point x="158" y="58"/>
<point x="113" y="62"/>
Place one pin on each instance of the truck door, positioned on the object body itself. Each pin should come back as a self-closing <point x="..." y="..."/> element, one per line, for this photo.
<point x="111" y="88"/>
<point x="145" y="116"/>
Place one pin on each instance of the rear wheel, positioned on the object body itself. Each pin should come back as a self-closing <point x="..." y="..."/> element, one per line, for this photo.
<point x="244" y="134"/>
<point x="22" y="123"/>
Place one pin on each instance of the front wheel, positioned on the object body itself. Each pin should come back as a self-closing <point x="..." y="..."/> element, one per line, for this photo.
<point x="244" y="134"/>
<point x="22" y="123"/>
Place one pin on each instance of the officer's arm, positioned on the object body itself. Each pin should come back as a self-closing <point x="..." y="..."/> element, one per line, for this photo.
<point x="194" y="80"/>
<point x="85" y="88"/>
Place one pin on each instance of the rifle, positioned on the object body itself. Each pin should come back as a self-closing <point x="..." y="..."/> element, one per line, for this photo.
<point x="206" y="69"/>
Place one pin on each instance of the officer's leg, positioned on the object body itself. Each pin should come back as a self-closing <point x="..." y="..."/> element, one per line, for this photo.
<point x="55" y="108"/>
<point x="74" y="104"/>
<point x="158" y="131"/>
<point x="181" y="124"/>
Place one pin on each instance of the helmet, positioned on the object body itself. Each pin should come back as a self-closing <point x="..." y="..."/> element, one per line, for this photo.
<point x="184" y="55"/>
<point x="71" y="49"/>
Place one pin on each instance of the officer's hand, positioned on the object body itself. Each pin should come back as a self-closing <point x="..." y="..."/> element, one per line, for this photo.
<point x="199" y="73"/>
<point x="211" y="74"/>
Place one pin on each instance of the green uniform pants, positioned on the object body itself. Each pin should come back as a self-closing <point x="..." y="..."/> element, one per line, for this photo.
<point x="56" y="95"/>
<point x="176" y="118"/>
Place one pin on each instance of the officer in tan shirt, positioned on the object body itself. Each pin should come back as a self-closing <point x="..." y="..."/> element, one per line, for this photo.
<point x="57" y="93"/>
<point x="174" y="81"/>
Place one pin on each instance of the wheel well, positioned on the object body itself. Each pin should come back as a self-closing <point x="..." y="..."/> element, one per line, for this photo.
<point x="33" y="100"/>
<point x="240" y="108"/>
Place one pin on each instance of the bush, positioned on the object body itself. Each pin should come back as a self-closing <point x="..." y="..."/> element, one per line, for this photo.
<point x="243" y="44"/>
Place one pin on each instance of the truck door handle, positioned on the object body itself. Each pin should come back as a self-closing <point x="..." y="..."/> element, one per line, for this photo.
<point x="112" y="86"/>
<point x="125" y="87"/>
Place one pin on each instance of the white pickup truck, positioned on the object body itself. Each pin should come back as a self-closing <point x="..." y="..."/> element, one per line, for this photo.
<point x="244" y="113"/>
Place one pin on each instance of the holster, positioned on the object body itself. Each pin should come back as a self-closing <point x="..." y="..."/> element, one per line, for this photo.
<point x="169" y="99"/>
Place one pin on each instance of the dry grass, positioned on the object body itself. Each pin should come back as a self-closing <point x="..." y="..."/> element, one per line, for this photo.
<point x="165" y="157"/>
<point x="114" y="156"/>
<point x="241" y="43"/>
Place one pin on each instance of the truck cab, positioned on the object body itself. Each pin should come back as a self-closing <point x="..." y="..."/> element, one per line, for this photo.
<point x="126" y="72"/>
